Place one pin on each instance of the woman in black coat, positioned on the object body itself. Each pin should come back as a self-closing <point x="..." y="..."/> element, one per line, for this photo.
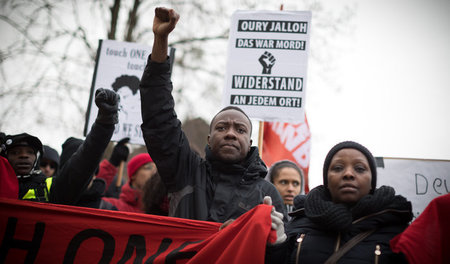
<point x="345" y="220"/>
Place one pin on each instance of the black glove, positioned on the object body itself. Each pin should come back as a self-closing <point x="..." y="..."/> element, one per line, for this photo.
<point x="120" y="152"/>
<point x="107" y="102"/>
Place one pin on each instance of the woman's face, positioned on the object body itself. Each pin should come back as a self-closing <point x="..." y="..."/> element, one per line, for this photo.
<point x="288" y="184"/>
<point x="349" y="176"/>
<point x="142" y="175"/>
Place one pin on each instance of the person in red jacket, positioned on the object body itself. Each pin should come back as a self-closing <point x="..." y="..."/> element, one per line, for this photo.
<point x="140" y="169"/>
<point x="9" y="185"/>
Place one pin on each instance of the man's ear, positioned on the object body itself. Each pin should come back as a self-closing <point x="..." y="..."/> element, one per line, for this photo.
<point x="250" y="146"/>
<point x="208" y="138"/>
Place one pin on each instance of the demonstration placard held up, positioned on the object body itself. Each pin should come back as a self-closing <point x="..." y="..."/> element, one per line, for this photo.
<point x="267" y="64"/>
<point x="119" y="67"/>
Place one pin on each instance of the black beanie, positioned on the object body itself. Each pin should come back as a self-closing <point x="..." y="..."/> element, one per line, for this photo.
<point x="69" y="147"/>
<point x="352" y="145"/>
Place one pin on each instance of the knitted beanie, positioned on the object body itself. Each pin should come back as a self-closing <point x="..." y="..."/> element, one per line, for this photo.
<point x="352" y="145"/>
<point x="69" y="147"/>
<point x="136" y="162"/>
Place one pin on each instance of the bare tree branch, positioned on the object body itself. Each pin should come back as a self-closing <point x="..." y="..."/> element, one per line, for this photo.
<point x="132" y="21"/>
<point x="114" y="18"/>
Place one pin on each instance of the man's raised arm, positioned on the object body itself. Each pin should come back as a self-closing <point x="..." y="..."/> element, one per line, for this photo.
<point x="163" y="23"/>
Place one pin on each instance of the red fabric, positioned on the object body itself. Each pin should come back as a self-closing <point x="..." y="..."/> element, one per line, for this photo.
<point x="129" y="200"/>
<point x="287" y="141"/>
<point x="107" y="171"/>
<point x="9" y="185"/>
<point x="427" y="239"/>
<point x="85" y="235"/>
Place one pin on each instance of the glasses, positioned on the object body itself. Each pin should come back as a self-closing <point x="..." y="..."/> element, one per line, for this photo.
<point x="45" y="164"/>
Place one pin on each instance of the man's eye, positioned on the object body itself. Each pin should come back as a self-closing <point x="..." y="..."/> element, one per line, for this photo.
<point x="283" y="182"/>
<point x="296" y="184"/>
<point x="241" y="131"/>
<point x="220" y="128"/>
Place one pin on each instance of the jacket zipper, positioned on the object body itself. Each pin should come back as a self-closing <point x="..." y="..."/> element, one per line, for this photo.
<point x="377" y="253"/>
<point x="338" y="242"/>
<point x="299" y="241"/>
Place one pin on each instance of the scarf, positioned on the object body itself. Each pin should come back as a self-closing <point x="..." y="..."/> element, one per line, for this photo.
<point x="321" y="210"/>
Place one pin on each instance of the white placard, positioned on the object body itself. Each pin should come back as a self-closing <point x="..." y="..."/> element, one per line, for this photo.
<point x="119" y="67"/>
<point x="420" y="181"/>
<point x="267" y="64"/>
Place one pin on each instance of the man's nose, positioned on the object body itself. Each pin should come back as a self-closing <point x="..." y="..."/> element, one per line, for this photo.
<point x="231" y="133"/>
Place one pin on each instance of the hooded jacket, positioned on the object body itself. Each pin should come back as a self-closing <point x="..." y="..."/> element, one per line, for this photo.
<point x="79" y="163"/>
<point x="129" y="200"/>
<point x="324" y="227"/>
<point x="201" y="189"/>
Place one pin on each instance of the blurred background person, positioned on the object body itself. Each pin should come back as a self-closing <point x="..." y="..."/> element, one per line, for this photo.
<point x="23" y="152"/>
<point x="9" y="185"/>
<point x="288" y="179"/>
<point x="49" y="162"/>
<point x="140" y="169"/>
<point x="154" y="199"/>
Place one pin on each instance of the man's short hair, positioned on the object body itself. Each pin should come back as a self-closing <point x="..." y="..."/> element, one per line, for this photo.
<point x="231" y="107"/>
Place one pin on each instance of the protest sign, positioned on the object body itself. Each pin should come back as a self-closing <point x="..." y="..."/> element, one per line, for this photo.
<point x="119" y="67"/>
<point x="267" y="64"/>
<point x="419" y="180"/>
<point x="32" y="232"/>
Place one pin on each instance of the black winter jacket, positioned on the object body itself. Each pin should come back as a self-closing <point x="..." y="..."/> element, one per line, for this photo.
<point x="198" y="189"/>
<point x="75" y="174"/>
<point x="325" y="226"/>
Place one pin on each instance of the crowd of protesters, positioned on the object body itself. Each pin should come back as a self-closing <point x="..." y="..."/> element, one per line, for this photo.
<point x="347" y="219"/>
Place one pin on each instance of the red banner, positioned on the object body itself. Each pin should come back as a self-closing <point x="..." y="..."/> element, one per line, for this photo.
<point x="32" y="232"/>
<point x="287" y="141"/>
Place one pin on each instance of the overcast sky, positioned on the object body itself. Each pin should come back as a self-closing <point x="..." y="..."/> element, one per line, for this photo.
<point x="392" y="84"/>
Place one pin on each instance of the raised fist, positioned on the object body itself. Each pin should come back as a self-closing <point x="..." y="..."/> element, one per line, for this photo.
<point x="107" y="102"/>
<point x="267" y="60"/>
<point x="120" y="152"/>
<point x="164" y="21"/>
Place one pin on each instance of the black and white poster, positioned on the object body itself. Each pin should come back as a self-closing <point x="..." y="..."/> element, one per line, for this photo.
<point x="119" y="67"/>
<point x="267" y="64"/>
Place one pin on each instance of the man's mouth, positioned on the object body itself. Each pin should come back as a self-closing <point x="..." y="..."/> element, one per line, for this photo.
<point x="229" y="146"/>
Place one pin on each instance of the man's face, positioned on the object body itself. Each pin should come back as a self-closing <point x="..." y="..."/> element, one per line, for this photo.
<point x="21" y="159"/>
<point x="127" y="99"/>
<point x="229" y="139"/>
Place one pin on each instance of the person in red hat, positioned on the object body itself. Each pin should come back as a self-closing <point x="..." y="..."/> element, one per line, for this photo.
<point x="140" y="169"/>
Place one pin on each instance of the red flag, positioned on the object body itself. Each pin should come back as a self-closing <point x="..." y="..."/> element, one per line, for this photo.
<point x="287" y="141"/>
<point x="32" y="232"/>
